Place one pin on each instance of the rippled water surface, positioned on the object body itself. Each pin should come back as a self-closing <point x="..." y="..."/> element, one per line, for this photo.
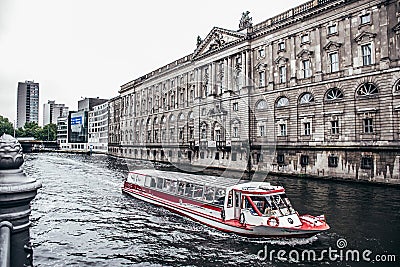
<point x="81" y="218"/>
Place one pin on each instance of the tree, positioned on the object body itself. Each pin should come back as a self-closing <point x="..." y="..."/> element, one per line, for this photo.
<point x="6" y="126"/>
<point x="49" y="132"/>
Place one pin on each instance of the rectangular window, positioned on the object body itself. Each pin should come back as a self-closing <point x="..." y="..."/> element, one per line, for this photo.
<point x="366" y="163"/>
<point x="235" y="106"/>
<point x="261" y="129"/>
<point x="234" y="156"/>
<point x="282" y="74"/>
<point x="261" y="53"/>
<point x="262" y="78"/>
<point x="304" y="160"/>
<point x="181" y="134"/>
<point x="235" y="132"/>
<point x="171" y="135"/>
<point x="203" y="134"/>
<point x="202" y="155"/>
<point x="305" y="38"/>
<point x="334" y="61"/>
<point x="280" y="159"/>
<point x="332" y="29"/>
<point x="307" y="128"/>
<point x="335" y="127"/>
<point x="332" y="161"/>
<point x="282" y="128"/>
<point x="281" y="46"/>
<point x="191" y="133"/>
<point x="368" y="125"/>
<point x="306" y="68"/>
<point x="365" y="19"/>
<point x="217" y="135"/>
<point x="366" y="51"/>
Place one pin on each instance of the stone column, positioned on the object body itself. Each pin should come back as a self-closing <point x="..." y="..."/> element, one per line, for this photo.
<point x="16" y="192"/>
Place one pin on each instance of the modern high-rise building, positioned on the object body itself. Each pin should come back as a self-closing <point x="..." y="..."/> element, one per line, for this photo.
<point x="27" y="103"/>
<point x="52" y="111"/>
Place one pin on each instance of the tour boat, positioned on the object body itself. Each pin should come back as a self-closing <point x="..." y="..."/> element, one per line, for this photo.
<point x="253" y="209"/>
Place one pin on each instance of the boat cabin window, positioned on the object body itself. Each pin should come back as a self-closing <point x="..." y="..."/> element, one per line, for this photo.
<point x="170" y="185"/>
<point x="152" y="182"/>
<point x="189" y="190"/>
<point x="274" y="205"/>
<point x="181" y="188"/>
<point x="198" y="191"/>
<point x="209" y="193"/>
<point x="160" y="182"/>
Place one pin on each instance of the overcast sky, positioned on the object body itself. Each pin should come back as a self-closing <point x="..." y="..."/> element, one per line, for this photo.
<point x="88" y="48"/>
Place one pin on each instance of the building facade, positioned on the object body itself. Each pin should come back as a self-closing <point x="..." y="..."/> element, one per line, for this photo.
<point x="27" y="103"/>
<point x="314" y="90"/>
<point x="82" y="132"/>
<point x="98" y="128"/>
<point x="62" y="132"/>
<point x="52" y="111"/>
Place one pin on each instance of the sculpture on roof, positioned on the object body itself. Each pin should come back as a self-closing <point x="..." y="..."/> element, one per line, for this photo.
<point x="199" y="40"/>
<point x="245" y="21"/>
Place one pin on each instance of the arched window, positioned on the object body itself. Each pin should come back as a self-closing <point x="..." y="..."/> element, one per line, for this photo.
<point x="155" y="120"/>
<point x="163" y="119"/>
<point x="181" y="117"/>
<point x="191" y="117"/>
<point x="397" y="86"/>
<point x="367" y="89"/>
<point x="262" y="104"/>
<point x="334" y="94"/>
<point x="283" y="101"/>
<point x="172" y="118"/>
<point x="306" y="98"/>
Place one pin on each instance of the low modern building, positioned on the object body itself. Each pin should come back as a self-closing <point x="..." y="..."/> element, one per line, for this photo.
<point x="78" y="124"/>
<point x="98" y="128"/>
<point x="27" y="103"/>
<point x="52" y="111"/>
<point x="314" y="90"/>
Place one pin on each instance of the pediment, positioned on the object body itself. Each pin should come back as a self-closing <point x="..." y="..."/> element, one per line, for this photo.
<point x="281" y="60"/>
<point x="364" y="36"/>
<point x="217" y="39"/>
<point x="261" y="66"/>
<point x="305" y="53"/>
<point x="332" y="46"/>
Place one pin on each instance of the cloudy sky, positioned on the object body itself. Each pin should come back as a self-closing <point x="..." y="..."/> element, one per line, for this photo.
<point x="88" y="48"/>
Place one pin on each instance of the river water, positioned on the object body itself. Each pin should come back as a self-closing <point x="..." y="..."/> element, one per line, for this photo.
<point x="81" y="218"/>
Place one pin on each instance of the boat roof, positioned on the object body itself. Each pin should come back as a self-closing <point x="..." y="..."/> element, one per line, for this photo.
<point x="208" y="180"/>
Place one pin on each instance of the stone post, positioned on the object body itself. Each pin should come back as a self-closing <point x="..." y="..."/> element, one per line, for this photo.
<point x="16" y="192"/>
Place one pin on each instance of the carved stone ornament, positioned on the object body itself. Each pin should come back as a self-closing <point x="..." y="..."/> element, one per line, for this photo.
<point x="217" y="41"/>
<point x="10" y="153"/>
<point x="245" y="21"/>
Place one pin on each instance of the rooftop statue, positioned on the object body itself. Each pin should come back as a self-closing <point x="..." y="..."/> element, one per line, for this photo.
<point x="245" y="21"/>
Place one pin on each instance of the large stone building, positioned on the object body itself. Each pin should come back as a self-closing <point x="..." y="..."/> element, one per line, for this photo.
<point x="313" y="90"/>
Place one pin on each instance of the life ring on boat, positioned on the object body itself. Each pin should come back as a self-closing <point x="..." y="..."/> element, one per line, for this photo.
<point x="242" y="219"/>
<point x="273" y="221"/>
<point x="223" y="214"/>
